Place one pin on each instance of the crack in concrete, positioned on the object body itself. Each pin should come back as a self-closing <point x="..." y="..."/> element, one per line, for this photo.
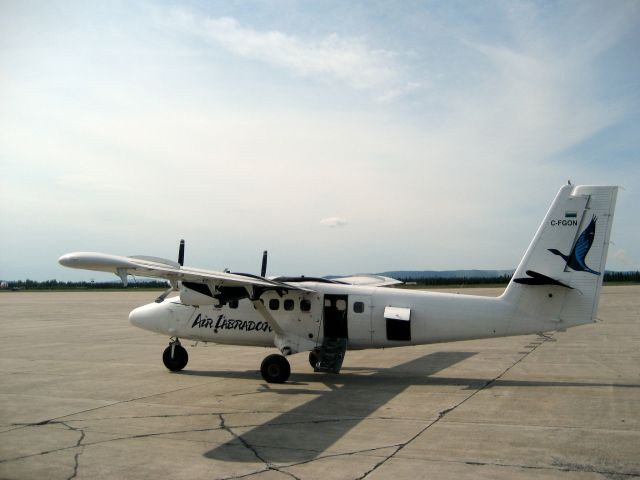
<point x="213" y="414"/>
<point x="343" y="454"/>
<point x="444" y="412"/>
<point x="57" y="420"/>
<point x="76" y="457"/>
<point x="99" y="442"/>
<point x="247" y="445"/>
<point x="282" y="469"/>
<point x="120" y="402"/>
<point x="221" y="416"/>
<point x="295" y="464"/>
<point x="79" y="445"/>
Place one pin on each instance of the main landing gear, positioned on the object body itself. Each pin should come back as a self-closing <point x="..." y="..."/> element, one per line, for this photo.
<point x="175" y="356"/>
<point x="275" y="369"/>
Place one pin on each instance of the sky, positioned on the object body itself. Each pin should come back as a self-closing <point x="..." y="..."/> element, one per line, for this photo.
<point x="342" y="137"/>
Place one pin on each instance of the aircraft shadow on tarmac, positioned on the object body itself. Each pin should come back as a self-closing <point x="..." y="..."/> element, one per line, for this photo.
<point x="306" y="431"/>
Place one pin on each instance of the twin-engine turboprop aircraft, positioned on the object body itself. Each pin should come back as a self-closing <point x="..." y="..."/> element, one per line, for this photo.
<point x="557" y="285"/>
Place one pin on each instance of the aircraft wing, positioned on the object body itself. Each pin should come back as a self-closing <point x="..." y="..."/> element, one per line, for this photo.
<point x="162" y="268"/>
<point x="368" y="280"/>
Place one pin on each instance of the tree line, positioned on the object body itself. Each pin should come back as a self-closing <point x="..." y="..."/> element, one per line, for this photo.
<point x="609" y="277"/>
<point x="58" y="285"/>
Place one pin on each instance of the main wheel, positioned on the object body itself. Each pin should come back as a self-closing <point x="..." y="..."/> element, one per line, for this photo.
<point x="313" y="358"/>
<point x="275" y="369"/>
<point x="179" y="360"/>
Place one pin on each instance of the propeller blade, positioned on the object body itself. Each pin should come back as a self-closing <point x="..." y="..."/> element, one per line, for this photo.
<point x="181" y="253"/>
<point x="263" y="271"/>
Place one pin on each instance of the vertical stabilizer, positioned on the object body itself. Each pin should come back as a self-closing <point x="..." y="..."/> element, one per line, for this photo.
<point x="560" y="276"/>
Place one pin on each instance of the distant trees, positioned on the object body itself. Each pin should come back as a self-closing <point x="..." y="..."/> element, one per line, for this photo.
<point x="444" y="281"/>
<point x="633" y="277"/>
<point x="609" y="277"/>
<point x="57" y="285"/>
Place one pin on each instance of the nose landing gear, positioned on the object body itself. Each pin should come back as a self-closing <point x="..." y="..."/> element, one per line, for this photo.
<point x="175" y="356"/>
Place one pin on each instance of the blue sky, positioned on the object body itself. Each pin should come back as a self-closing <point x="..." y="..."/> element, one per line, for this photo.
<point x="343" y="137"/>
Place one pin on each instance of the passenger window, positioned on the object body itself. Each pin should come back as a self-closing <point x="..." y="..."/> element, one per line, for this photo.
<point x="233" y="303"/>
<point x="358" y="307"/>
<point x="327" y="302"/>
<point x="288" y="304"/>
<point x="341" y="305"/>
<point x="274" y="304"/>
<point x="305" y="305"/>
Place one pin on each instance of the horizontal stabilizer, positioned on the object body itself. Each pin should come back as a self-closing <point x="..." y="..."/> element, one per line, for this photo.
<point x="536" y="278"/>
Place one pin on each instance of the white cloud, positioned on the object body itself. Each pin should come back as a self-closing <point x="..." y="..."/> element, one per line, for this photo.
<point x="347" y="59"/>
<point x="333" y="222"/>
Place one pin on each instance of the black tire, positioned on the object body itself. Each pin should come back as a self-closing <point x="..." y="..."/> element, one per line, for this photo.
<point x="275" y="369"/>
<point x="313" y="359"/>
<point x="179" y="360"/>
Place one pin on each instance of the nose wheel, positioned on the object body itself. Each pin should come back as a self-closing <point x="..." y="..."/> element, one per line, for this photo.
<point x="275" y="369"/>
<point x="175" y="356"/>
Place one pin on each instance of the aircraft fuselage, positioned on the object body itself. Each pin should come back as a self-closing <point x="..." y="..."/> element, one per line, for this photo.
<point x="309" y="317"/>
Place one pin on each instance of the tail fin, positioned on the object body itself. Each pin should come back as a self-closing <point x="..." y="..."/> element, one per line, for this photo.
<point x="560" y="276"/>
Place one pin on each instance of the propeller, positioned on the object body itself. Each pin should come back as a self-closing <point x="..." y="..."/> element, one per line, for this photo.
<point x="171" y="288"/>
<point x="181" y="253"/>
<point x="263" y="270"/>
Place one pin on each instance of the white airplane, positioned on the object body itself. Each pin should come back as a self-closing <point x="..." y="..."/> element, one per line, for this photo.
<point x="556" y="286"/>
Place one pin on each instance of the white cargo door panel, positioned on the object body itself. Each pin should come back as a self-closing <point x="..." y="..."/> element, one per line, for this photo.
<point x="398" y="323"/>
<point x="397" y="313"/>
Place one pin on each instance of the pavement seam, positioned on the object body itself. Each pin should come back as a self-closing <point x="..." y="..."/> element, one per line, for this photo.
<point x="443" y="413"/>
<point x="558" y="467"/>
<point x="295" y="464"/>
<point x="82" y="431"/>
<point x="120" y="402"/>
<point x="268" y="465"/>
<point x="154" y="434"/>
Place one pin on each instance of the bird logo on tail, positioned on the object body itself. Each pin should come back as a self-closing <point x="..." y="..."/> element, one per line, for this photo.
<point x="576" y="259"/>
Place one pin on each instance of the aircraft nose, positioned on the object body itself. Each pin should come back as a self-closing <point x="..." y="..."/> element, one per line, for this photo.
<point x="154" y="317"/>
<point x="67" y="260"/>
